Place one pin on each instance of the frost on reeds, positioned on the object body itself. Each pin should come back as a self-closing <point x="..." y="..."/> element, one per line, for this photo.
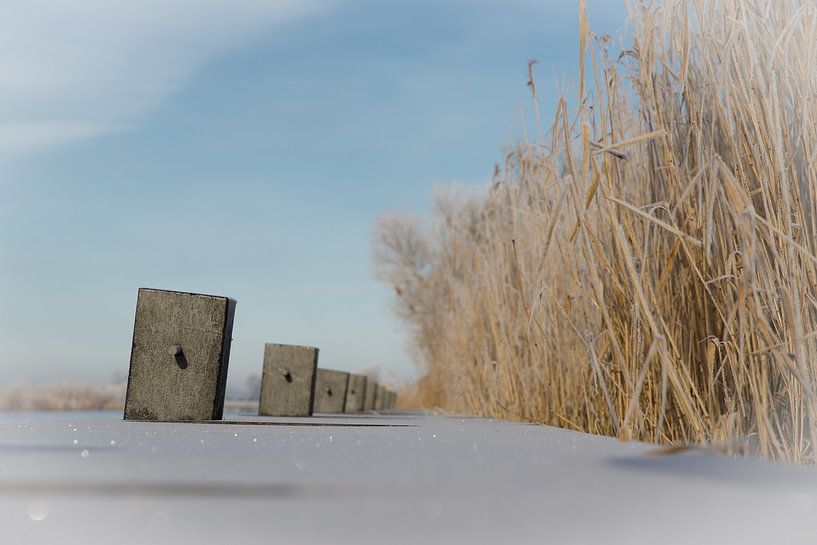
<point x="646" y="267"/>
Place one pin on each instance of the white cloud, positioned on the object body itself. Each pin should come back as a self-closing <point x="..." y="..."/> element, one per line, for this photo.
<point x="73" y="69"/>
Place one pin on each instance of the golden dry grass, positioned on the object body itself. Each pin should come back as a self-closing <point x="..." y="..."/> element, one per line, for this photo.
<point x="63" y="397"/>
<point x="646" y="267"/>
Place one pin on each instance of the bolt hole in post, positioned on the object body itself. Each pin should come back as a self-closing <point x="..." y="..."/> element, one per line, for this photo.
<point x="287" y="374"/>
<point x="178" y="355"/>
<point x="329" y="392"/>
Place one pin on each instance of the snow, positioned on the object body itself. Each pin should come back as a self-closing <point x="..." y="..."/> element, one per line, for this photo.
<point x="384" y="479"/>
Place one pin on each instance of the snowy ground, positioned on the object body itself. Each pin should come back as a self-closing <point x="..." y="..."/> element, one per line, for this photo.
<point x="390" y="479"/>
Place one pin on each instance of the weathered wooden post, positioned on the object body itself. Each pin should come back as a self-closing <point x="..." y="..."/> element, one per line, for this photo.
<point x="288" y="380"/>
<point x="330" y="391"/>
<point x="380" y="397"/>
<point x="368" y="401"/>
<point x="179" y="356"/>
<point x="355" y="394"/>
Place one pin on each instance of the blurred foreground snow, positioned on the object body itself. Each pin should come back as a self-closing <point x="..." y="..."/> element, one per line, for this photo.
<point x="390" y="479"/>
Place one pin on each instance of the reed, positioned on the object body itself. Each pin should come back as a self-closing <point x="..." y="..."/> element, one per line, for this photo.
<point x="646" y="267"/>
<point x="63" y="397"/>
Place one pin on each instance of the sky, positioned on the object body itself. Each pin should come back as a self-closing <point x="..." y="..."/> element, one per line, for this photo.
<point x="245" y="149"/>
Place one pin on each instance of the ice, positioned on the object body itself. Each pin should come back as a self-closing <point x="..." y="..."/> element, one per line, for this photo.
<point x="476" y="482"/>
<point x="37" y="510"/>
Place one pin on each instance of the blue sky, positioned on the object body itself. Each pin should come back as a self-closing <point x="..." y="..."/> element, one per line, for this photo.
<point x="244" y="149"/>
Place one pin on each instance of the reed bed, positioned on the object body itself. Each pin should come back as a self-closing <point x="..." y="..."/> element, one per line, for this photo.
<point x="63" y="397"/>
<point x="644" y="266"/>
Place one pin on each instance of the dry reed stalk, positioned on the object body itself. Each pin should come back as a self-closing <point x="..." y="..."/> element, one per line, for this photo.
<point x="649" y="271"/>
